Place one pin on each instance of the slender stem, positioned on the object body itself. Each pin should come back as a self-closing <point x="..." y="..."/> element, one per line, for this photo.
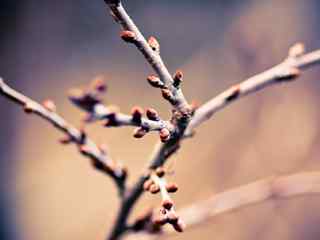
<point x="275" y="75"/>
<point x="87" y="147"/>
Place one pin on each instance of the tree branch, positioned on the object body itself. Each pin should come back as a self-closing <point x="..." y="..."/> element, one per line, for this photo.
<point x="288" y="70"/>
<point x="100" y="159"/>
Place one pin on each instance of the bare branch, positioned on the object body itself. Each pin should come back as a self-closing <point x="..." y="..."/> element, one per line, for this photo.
<point x="100" y="159"/>
<point x="288" y="70"/>
<point x="151" y="51"/>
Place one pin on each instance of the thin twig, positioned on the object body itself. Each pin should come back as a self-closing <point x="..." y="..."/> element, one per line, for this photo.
<point x="100" y="159"/>
<point x="287" y="70"/>
<point x="152" y="55"/>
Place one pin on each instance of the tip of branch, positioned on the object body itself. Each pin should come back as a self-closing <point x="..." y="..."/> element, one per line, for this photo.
<point x="164" y="135"/>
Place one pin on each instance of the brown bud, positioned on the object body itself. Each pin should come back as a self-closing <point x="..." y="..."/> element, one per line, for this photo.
<point x="154" y="188"/>
<point x="154" y="44"/>
<point x="179" y="226"/>
<point x="152" y="114"/>
<point x="164" y="135"/>
<point x="160" y="172"/>
<point x="28" y="108"/>
<point x="166" y="94"/>
<point x="177" y="79"/>
<point x="128" y="36"/>
<point x="172" y="217"/>
<point x="139" y="132"/>
<point x="154" y="81"/>
<point x="49" y="105"/>
<point x="136" y="114"/>
<point x="147" y="184"/>
<point x="171" y="187"/>
<point x="65" y="140"/>
<point x="167" y="204"/>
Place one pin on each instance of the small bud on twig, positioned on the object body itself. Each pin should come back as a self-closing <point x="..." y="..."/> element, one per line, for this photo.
<point x="154" y="81"/>
<point x="99" y="84"/>
<point x="147" y="184"/>
<point x="152" y="114"/>
<point x="171" y="187"/>
<point x="164" y="135"/>
<point x="167" y="204"/>
<point x="49" y="105"/>
<point x="154" y="188"/>
<point x="160" y="172"/>
<point x="139" y="132"/>
<point x="154" y="44"/>
<point x="166" y="94"/>
<point x="177" y="78"/>
<point x="128" y="36"/>
<point x="28" y="108"/>
<point x="179" y="226"/>
<point x="136" y="114"/>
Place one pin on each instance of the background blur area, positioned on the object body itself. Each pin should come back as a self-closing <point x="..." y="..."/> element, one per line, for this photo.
<point x="50" y="192"/>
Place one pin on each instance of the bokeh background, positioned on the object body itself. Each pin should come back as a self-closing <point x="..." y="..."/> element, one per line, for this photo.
<point x="49" y="191"/>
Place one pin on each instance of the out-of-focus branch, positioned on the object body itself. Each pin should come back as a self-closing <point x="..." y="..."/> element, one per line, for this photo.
<point x="98" y="156"/>
<point x="257" y="192"/>
<point x="288" y="70"/>
<point x="151" y="51"/>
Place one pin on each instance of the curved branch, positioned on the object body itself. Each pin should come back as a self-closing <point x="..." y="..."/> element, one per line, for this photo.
<point x="286" y="71"/>
<point x="100" y="159"/>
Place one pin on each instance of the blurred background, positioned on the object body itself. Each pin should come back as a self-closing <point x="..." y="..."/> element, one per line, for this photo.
<point x="49" y="191"/>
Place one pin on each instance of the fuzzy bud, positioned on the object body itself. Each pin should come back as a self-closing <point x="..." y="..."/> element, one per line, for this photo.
<point x="171" y="187"/>
<point x="147" y="184"/>
<point x="164" y="134"/>
<point x="154" y="81"/>
<point x="166" y="94"/>
<point x="136" y="114"/>
<point x="139" y="132"/>
<point x="152" y="114"/>
<point x="49" y="105"/>
<point x="154" y="44"/>
<point x="160" y="172"/>
<point x="177" y="78"/>
<point x="128" y="36"/>
<point x="154" y="188"/>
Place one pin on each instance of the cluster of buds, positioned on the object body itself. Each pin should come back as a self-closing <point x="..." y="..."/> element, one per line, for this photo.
<point x="152" y="115"/>
<point x="167" y="214"/>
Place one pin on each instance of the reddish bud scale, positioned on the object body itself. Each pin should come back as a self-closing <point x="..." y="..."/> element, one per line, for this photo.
<point x="167" y="204"/>
<point x="154" y="188"/>
<point x="49" y="105"/>
<point x="166" y="94"/>
<point x="128" y="36"/>
<point x="147" y="184"/>
<point x="171" y="187"/>
<point x="160" y="172"/>
<point x="152" y="114"/>
<point x="154" y="44"/>
<point x="177" y="79"/>
<point x="139" y="132"/>
<point x="136" y="114"/>
<point x="164" y="135"/>
<point x="154" y="81"/>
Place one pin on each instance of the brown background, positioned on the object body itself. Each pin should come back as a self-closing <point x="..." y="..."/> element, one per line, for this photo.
<point x="50" y="192"/>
